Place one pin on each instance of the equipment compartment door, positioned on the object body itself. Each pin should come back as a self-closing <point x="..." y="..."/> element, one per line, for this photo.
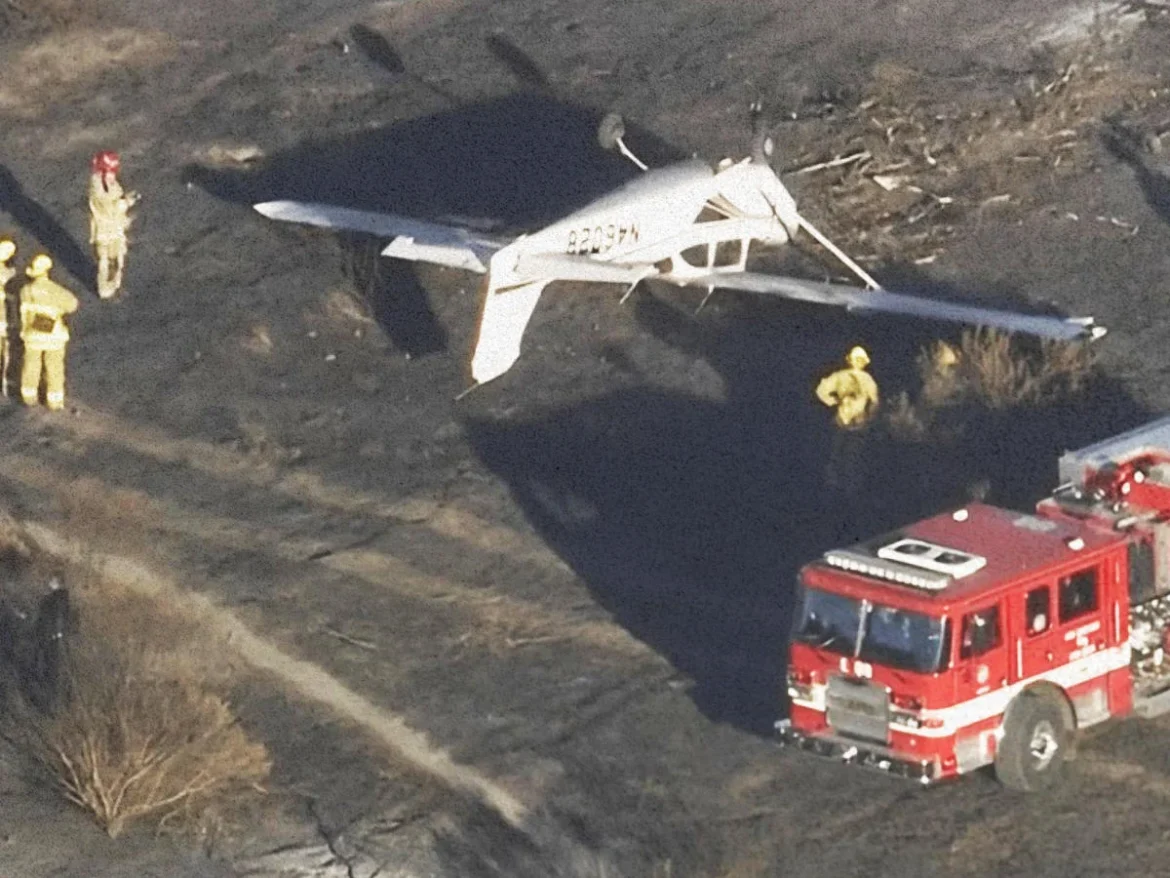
<point x="1034" y="631"/>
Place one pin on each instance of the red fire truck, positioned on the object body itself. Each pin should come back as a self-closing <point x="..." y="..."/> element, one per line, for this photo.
<point x="984" y="636"/>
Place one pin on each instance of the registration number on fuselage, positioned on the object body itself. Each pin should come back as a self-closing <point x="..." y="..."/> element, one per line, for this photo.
<point x="601" y="238"/>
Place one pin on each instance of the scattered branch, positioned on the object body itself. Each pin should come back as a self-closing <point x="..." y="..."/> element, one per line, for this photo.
<point x="345" y="638"/>
<point x="836" y="162"/>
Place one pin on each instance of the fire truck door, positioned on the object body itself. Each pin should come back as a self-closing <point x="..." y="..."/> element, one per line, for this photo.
<point x="982" y="663"/>
<point x="1033" y="631"/>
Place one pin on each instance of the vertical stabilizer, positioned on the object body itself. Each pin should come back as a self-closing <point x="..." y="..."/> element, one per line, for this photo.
<point x="503" y="319"/>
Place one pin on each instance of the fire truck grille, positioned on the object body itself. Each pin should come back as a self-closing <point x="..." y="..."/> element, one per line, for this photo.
<point x="858" y="709"/>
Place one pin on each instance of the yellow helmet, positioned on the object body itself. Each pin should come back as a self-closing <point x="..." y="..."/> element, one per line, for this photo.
<point x="40" y="265"/>
<point x="7" y="249"/>
<point x="858" y="358"/>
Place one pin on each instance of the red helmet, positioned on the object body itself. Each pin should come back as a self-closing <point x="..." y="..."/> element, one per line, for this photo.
<point x="106" y="162"/>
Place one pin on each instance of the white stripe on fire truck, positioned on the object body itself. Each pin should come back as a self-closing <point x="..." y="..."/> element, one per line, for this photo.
<point x="993" y="704"/>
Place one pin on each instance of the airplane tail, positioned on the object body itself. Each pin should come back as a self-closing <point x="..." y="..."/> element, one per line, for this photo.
<point x="503" y="318"/>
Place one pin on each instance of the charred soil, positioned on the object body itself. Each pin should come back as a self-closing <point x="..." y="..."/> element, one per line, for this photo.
<point x="572" y="585"/>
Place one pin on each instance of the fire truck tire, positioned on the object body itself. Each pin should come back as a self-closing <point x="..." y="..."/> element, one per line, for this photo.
<point x="1035" y="744"/>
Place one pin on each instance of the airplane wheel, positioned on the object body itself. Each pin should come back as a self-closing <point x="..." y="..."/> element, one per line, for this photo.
<point x="1036" y="742"/>
<point x="763" y="148"/>
<point x="611" y="130"/>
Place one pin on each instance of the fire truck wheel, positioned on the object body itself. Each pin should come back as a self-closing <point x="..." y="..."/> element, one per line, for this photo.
<point x="1036" y="741"/>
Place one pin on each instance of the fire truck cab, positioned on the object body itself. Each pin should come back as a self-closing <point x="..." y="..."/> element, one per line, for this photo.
<point x="984" y="636"/>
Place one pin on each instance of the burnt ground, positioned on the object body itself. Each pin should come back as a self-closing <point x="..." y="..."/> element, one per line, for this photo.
<point x="575" y="580"/>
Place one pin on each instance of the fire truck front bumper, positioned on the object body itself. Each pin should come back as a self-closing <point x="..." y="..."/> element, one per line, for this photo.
<point x="860" y="753"/>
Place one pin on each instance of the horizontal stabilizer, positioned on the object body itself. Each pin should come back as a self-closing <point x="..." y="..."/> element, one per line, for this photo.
<point x="406" y="247"/>
<point x="884" y="302"/>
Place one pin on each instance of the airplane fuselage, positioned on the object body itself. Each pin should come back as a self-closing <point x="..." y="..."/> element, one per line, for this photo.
<point x="656" y="216"/>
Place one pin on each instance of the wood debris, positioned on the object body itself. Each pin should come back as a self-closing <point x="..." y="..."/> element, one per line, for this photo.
<point x="345" y="638"/>
<point x="836" y="162"/>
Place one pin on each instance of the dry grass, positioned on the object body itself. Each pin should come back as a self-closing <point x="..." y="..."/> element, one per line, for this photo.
<point x="105" y="519"/>
<point x="362" y="264"/>
<point x="138" y="730"/>
<point x="15" y="14"/>
<point x="70" y="59"/>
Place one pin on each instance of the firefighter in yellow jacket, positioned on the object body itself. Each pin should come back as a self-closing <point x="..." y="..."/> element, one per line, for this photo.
<point x="7" y="273"/>
<point x="852" y="391"/>
<point x="43" y="306"/>
<point x="854" y="394"/>
<point x="109" y="221"/>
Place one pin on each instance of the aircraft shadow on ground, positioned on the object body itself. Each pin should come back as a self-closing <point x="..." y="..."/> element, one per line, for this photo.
<point x="689" y="517"/>
<point x="50" y="235"/>
<point x="1154" y="180"/>
<point x="516" y="162"/>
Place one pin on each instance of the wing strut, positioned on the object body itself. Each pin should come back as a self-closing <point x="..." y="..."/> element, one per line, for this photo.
<point x="840" y="254"/>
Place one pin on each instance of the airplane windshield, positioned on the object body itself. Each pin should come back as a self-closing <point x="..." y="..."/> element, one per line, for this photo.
<point x="889" y="636"/>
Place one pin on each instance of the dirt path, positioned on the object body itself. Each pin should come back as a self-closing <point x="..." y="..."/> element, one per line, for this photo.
<point x="306" y="679"/>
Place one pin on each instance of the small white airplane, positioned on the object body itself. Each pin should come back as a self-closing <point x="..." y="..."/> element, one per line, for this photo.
<point x="688" y="224"/>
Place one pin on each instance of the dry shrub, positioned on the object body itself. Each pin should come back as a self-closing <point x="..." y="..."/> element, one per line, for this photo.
<point x="991" y="370"/>
<point x="136" y="730"/>
<point x="1000" y="374"/>
<point x="257" y="340"/>
<point x="344" y="307"/>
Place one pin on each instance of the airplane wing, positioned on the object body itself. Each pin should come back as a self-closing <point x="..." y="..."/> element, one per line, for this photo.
<point x="416" y="240"/>
<point x="883" y="301"/>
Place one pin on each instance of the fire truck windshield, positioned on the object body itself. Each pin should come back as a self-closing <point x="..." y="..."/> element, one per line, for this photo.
<point x="871" y="632"/>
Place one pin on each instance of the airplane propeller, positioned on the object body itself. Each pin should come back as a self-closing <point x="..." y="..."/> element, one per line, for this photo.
<point x="610" y="135"/>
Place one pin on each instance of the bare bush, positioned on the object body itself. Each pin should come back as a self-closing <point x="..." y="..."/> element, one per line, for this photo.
<point x="1000" y="374"/>
<point x="991" y="370"/>
<point x="135" y="731"/>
